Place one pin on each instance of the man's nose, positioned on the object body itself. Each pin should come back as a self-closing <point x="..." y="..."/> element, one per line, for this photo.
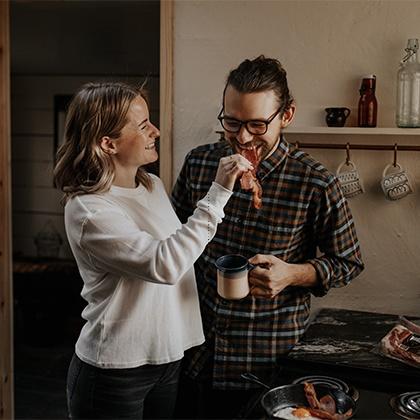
<point x="244" y="136"/>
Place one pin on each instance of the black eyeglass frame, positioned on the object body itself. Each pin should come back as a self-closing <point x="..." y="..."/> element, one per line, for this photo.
<point x="241" y="123"/>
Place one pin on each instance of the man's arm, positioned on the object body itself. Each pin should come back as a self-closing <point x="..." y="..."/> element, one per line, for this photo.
<point x="341" y="260"/>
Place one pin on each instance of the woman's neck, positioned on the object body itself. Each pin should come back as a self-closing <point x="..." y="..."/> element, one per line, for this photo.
<point x="125" y="178"/>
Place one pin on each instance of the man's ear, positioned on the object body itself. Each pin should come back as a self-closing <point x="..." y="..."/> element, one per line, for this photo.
<point x="288" y="115"/>
<point x="108" y="145"/>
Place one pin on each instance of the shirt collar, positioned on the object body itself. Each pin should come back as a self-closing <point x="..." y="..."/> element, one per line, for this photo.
<point x="275" y="159"/>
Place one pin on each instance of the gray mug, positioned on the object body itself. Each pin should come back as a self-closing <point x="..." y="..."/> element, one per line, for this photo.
<point x="395" y="185"/>
<point x="350" y="181"/>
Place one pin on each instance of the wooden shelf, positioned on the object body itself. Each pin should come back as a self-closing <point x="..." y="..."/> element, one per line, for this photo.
<point x="393" y="131"/>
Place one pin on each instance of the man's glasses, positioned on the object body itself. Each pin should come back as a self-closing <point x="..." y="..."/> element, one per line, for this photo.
<point x="256" y="127"/>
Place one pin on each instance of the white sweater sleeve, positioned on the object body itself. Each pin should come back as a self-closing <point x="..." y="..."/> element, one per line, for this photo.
<point x="115" y="243"/>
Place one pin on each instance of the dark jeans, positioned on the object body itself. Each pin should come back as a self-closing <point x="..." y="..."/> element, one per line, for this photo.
<point x="147" y="391"/>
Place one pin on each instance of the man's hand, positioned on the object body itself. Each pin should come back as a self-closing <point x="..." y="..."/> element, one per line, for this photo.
<point x="271" y="275"/>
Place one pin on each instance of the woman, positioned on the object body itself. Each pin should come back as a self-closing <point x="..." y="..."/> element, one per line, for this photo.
<point x="133" y="254"/>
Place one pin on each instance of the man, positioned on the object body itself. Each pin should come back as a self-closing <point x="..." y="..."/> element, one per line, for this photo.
<point x="303" y="210"/>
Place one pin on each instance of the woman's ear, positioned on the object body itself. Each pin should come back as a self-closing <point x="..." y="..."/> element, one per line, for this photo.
<point x="108" y="145"/>
<point x="288" y="115"/>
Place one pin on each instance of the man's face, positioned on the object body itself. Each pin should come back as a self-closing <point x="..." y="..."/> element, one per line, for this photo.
<point x="258" y="106"/>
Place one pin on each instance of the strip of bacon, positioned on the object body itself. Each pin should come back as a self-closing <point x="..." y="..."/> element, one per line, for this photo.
<point x="415" y="328"/>
<point x="395" y="345"/>
<point x="250" y="182"/>
<point x="327" y="403"/>
<point x="324" y="408"/>
<point x="249" y="179"/>
<point x="303" y="412"/>
<point x="321" y="414"/>
<point x="310" y="394"/>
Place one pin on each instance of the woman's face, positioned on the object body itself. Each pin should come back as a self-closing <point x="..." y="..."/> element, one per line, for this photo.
<point x="136" y="145"/>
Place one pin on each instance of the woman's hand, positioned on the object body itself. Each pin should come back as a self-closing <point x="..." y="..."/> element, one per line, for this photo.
<point x="230" y="169"/>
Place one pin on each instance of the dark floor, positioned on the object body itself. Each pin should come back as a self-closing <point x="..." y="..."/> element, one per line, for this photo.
<point x="44" y="345"/>
<point x="40" y="380"/>
<point x="47" y="322"/>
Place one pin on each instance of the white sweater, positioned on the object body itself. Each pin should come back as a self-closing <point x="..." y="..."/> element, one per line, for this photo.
<point x="136" y="261"/>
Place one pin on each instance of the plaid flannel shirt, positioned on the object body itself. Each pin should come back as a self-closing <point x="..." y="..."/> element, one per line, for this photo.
<point x="303" y="210"/>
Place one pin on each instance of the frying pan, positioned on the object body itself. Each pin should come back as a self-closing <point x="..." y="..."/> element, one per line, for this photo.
<point x="294" y="395"/>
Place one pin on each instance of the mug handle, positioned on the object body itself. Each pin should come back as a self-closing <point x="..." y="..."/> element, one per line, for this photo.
<point x="349" y="163"/>
<point x="346" y="112"/>
<point x="389" y="166"/>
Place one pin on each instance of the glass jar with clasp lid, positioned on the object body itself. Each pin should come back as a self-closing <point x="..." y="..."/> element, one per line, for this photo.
<point x="408" y="88"/>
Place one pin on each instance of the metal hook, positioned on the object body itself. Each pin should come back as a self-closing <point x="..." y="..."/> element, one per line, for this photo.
<point x="395" y="155"/>
<point x="347" y="153"/>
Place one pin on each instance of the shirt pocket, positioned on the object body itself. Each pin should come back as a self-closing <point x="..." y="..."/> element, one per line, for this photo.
<point x="282" y="235"/>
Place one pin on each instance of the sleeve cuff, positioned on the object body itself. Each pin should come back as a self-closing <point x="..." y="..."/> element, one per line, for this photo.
<point x="323" y="278"/>
<point x="218" y="195"/>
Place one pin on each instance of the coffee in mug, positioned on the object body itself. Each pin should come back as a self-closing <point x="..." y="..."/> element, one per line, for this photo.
<point x="232" y="276"/>
<point x="395" y="185"/>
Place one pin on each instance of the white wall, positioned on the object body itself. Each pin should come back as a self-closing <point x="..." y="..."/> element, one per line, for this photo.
<point x="56" y="47"/>
<point x="326" y="48"/>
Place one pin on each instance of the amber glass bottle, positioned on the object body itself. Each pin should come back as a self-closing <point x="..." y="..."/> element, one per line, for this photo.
<point x="368" y="105"/>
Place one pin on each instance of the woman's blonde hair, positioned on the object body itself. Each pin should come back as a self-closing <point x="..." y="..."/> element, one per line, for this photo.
<point x="96" y="110"/>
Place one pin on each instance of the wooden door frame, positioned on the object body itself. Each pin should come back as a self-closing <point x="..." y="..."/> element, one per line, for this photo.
<point x="166" y="93"/>
<point x="166" y="165"/>
<point x="6" y="307"/>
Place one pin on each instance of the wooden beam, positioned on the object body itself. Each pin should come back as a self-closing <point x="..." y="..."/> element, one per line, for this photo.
<point x="6" y="307"/>
<point x="166" y="93"/>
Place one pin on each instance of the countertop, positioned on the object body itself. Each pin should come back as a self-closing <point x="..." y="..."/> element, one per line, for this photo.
<point x="345" y="341"/>
<point x="342" y="343"/>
